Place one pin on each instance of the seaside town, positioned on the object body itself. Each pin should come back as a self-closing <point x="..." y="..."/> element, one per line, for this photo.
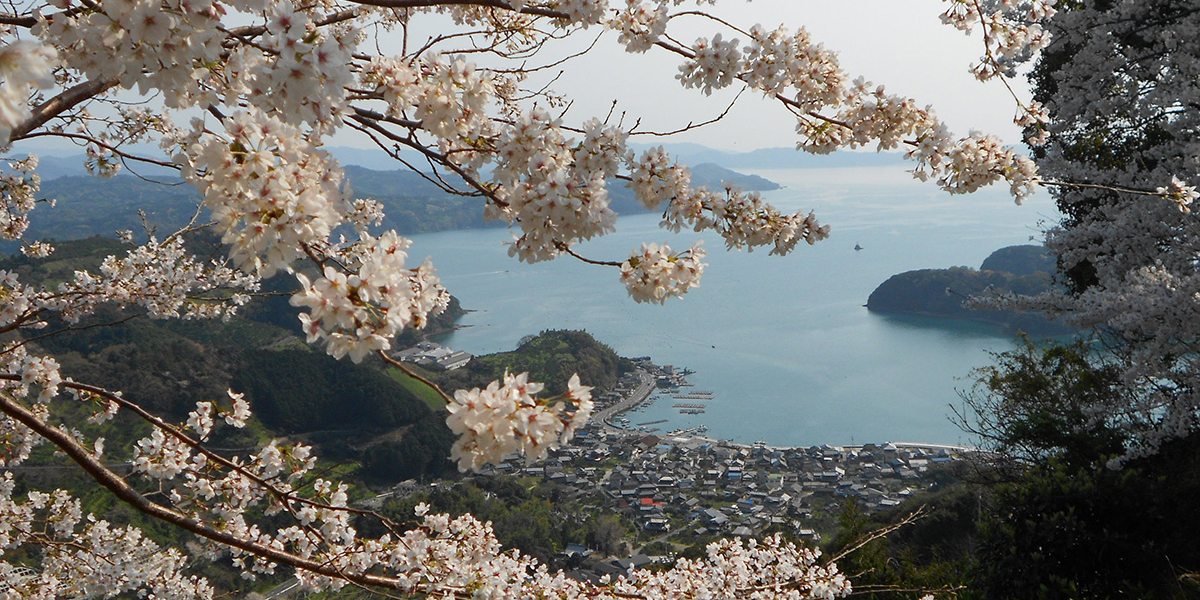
<point x="682" y="485"/>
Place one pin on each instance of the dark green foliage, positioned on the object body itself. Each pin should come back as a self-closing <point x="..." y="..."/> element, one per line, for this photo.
<point x="303" y="391"/>
<point x="1020" y="260"/>
<point x="1059" y="523"/>
<point x="152" y="363"/>
<point x="525" y="517"/>
<point x="90" y="206"/>
<point x="935" y="553"/>
<point x="550" y="357"/>
<point x="1035" y="403"/>
<point x="83" y="254"/>
<point x="1041" y="515"/>
<point x="1063" y="531"/>
<point x="423" y="451"/>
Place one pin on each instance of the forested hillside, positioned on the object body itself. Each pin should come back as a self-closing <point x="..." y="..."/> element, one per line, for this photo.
<point x="369" y="413"/>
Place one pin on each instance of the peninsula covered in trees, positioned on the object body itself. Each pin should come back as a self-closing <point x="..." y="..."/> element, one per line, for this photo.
<point x="946" y="293"/>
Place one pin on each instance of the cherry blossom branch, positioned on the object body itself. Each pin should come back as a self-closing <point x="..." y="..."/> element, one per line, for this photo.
<point x="116" y="484"/>
<point x="690" y="126"/>
<point x="250" y="31"/>
<point x="17" y="20"/>
<point x="1099" y="186"/>
<point x="362" y="116"/>
<point x="115" y="149"/>
<point x="436" y="177"/>
<point x="208" y="453"/>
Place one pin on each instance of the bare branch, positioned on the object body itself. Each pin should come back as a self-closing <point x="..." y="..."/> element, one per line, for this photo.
<point x="407" y="371"/>
<point x="63" y="102"/>
<point x="17" y="20"/>
<point x="528" y="10"/>
<point x="913" y="517"/>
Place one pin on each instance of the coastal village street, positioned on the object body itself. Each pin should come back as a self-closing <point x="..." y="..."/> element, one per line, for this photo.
<point x="645" y="385"/>
<point x="682" y="487"/>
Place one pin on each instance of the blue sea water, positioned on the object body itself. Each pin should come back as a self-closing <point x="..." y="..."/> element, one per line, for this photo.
<point x="784" y="343"/>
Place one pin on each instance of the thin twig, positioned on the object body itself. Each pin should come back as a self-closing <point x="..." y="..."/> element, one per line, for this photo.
<point x="407" y="371"/>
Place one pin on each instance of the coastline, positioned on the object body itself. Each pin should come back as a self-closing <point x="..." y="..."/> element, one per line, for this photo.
<point x="648" y="376"/>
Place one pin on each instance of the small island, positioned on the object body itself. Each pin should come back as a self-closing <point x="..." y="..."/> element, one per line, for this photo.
<point x="942" y="293"/>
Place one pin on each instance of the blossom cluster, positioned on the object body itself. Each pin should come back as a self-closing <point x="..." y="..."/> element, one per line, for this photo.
<point x="96" y="559"/>
<point x="742" y="220"/>
<point x="149" y="45"/>
<point x="835" y="113"/>
<point x="640" y="25"/>
<point x="1012" y="30"/>
<point x="1180" y="193"/>
<point x="295" y="69"/>
<point x="18" y="189"/>
<point x="25" y="66"/>
<point x="715" y="64"/>
<point x="273" y="194"/>
<point x="506" y="418"/>
<point x="554" y="191"/>
<point x="655" y="273"/>
<point x="358" y="312"/>
<point x="161" y="277"/>
<point x="792" y="65"/>
<point x="973" y="162"/>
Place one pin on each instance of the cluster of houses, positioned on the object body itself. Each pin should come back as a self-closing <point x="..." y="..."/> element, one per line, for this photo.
<point x="435" y="356"/>
<point x="685" y="482"/>
<point x="683" y="486"/>
<point x="677" y="483"/>
<point x="714" y="487"/>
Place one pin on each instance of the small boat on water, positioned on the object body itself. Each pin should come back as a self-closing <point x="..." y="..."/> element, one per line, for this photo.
<point x="857" y="247"/>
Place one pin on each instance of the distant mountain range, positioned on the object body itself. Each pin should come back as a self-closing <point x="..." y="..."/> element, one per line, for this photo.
<point x="158" y="200"/>
<point x="59" y="162"/>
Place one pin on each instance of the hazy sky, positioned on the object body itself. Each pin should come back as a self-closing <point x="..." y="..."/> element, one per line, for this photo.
<point x="902" y="45"/>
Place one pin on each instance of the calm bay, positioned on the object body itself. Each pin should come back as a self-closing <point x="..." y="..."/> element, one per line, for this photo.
<point x="784" y="343"/>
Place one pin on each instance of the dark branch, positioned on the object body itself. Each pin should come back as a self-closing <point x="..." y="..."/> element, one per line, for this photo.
<point x="63" y="102"/>
<point x="528" y="10"/>
<point x="17" y="20"/>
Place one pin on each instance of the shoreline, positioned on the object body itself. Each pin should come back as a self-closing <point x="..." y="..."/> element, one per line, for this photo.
<point x="648" y="384"/>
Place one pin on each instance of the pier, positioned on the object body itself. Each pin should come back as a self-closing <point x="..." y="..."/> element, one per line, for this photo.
<point x="652" y="422"/>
